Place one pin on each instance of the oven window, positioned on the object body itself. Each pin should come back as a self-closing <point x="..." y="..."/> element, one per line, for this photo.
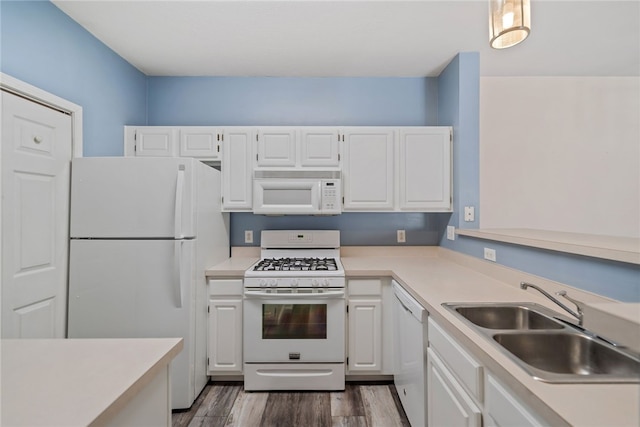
<point x="294" y="321"/>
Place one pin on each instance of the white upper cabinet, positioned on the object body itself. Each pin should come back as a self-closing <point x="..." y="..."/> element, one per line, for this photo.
<point x="276" y="146"/>
<point x="319" y="146"/>
<point x="237" y="168"/>
<point x="201" y="142"/>
<point x="367" y="169"/>
<point x="384" y="169"/>
<point x="151" y="141"/>
<point x="424" y="169"/>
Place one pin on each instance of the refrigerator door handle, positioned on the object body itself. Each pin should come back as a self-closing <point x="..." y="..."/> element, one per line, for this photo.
<point x="177" y="271"/>
<point x="178" y="207"/>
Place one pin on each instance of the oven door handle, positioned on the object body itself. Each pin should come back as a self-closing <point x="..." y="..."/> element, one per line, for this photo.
<point x="269" y="295"/>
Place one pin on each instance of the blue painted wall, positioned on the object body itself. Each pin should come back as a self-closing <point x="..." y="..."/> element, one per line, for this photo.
<point x="292" y="101"/>
<point x="458" y="103"/>
<point x="42" y="46"/>
<point x="307" y="101"/>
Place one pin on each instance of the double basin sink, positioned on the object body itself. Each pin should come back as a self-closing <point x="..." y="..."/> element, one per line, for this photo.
<point x="548" y="347"/>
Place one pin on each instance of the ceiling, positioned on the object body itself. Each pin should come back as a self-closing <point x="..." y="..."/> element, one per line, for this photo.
<point x="359" y="38"/>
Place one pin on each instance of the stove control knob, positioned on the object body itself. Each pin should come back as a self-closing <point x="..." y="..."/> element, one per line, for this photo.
<point x="294" y="283"/>
<point x="314" y="283"/>
<point x="326" y="283"/>
<point x="273" y="283"/>
<point x="263" y="283"/>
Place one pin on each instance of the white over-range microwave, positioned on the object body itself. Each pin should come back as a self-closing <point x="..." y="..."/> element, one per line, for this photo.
<point x="297" y="192"/>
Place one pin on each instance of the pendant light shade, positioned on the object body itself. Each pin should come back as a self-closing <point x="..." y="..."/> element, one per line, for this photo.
<point x="509" y="22"/>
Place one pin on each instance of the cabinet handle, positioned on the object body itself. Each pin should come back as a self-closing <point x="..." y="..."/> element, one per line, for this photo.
<point x="37" y="139"/>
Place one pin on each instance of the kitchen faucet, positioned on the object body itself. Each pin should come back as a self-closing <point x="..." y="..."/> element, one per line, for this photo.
<point x="579" y="315"/>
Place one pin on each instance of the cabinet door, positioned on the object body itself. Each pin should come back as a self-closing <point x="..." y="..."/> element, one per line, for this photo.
<point x="225" y="335"/>
<point x="276" y="147"/>
<point x="319" y="147"/>
<point x="368" y="169"/>
<point x="200" y="142"/>
<point x="447" y="402"/>
<point x="504" y="409"/>
<point x="365" y="334"/>
<point x="155" y="141"/>
<point x="237" y="167"/>
<point x="425" y="169"/>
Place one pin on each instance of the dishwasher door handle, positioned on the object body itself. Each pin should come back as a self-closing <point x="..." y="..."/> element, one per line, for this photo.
<point x="402" y="304"/>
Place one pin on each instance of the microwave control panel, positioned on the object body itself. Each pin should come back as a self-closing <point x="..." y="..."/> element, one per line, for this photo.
<point x="331" y="196"/>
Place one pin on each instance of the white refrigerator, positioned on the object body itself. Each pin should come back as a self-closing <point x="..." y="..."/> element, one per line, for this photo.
<point x="143" y="231"/>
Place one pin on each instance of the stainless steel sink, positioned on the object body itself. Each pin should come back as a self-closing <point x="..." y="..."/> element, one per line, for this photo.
<point x="565" y="355"/>
<point x="547" y="345"/>
<point x="507" y="317"/>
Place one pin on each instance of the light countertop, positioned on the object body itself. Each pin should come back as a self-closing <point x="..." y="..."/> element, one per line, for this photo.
<point x="616" y="248"/>
<point x="77" y="382"/>
<point x="435" y="275"/>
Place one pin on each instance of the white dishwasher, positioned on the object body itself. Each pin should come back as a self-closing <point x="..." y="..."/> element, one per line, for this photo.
<point x="410" y="355"/>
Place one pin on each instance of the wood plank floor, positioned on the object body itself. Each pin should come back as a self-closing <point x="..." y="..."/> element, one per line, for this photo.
<point x="360" y="405"/>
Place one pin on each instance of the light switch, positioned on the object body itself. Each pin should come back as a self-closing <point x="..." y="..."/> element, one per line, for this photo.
<point x="451" y="232"/>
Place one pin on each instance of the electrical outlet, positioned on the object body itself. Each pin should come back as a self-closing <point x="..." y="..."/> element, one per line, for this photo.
<point x="451" y="232"/>
<point x="248" y="236"/>
<point x="490" y="254"/>
<point x="401" y="236"/>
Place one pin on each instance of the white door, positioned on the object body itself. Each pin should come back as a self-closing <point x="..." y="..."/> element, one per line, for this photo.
<point x="36" y="154"/>
<point x="200" y="141"/>
<point x="425" y="168"/>
<point x="368" y="169"/>
<point x="448" y="404"/>
<point x="365" y="334"/>
<point x="128" y="197"/>
<point x="155" y="141"/>
<point x="276" y="147"/>
<point x="237" y="169"/>
<point x="225" y="335"/>
<point x="319" y="147"/>
<point x="141" y="288"/>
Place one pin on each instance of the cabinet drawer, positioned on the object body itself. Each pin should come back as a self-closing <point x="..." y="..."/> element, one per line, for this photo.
<point x="364" y="287"/>
<point x="225" y="287"/>
<point x="464" y="366"/>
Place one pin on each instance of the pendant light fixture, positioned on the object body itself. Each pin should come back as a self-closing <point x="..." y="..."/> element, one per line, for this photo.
<point x="509" y="22"/>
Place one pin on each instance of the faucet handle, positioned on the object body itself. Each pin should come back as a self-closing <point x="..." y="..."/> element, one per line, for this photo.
<point x="579" y="304"/>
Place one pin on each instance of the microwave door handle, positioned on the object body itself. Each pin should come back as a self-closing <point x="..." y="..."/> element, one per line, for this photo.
<point x="319" y="196"/>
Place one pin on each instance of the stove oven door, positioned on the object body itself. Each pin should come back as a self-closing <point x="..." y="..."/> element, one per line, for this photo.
<point x="300" y="327"/>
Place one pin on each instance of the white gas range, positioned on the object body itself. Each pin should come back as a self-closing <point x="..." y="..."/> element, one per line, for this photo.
<point x="294" y="313"/>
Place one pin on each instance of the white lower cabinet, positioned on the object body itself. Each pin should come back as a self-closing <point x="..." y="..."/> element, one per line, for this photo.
<point x="448" y="404"/>
<point x="370" y="327"/>
<point x="502" y="408"/>
<point x="225" y="327"/>
<point x="461" y="392"/>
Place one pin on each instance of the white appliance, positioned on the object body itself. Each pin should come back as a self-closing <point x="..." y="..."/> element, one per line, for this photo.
<point x="143" y="231"/>
<point x="411" y="350"/>
<point x="294" y="313"/>
<point x="297" y="192"/>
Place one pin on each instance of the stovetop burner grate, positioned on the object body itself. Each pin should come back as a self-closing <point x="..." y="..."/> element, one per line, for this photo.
<point x="296" y="264"/>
